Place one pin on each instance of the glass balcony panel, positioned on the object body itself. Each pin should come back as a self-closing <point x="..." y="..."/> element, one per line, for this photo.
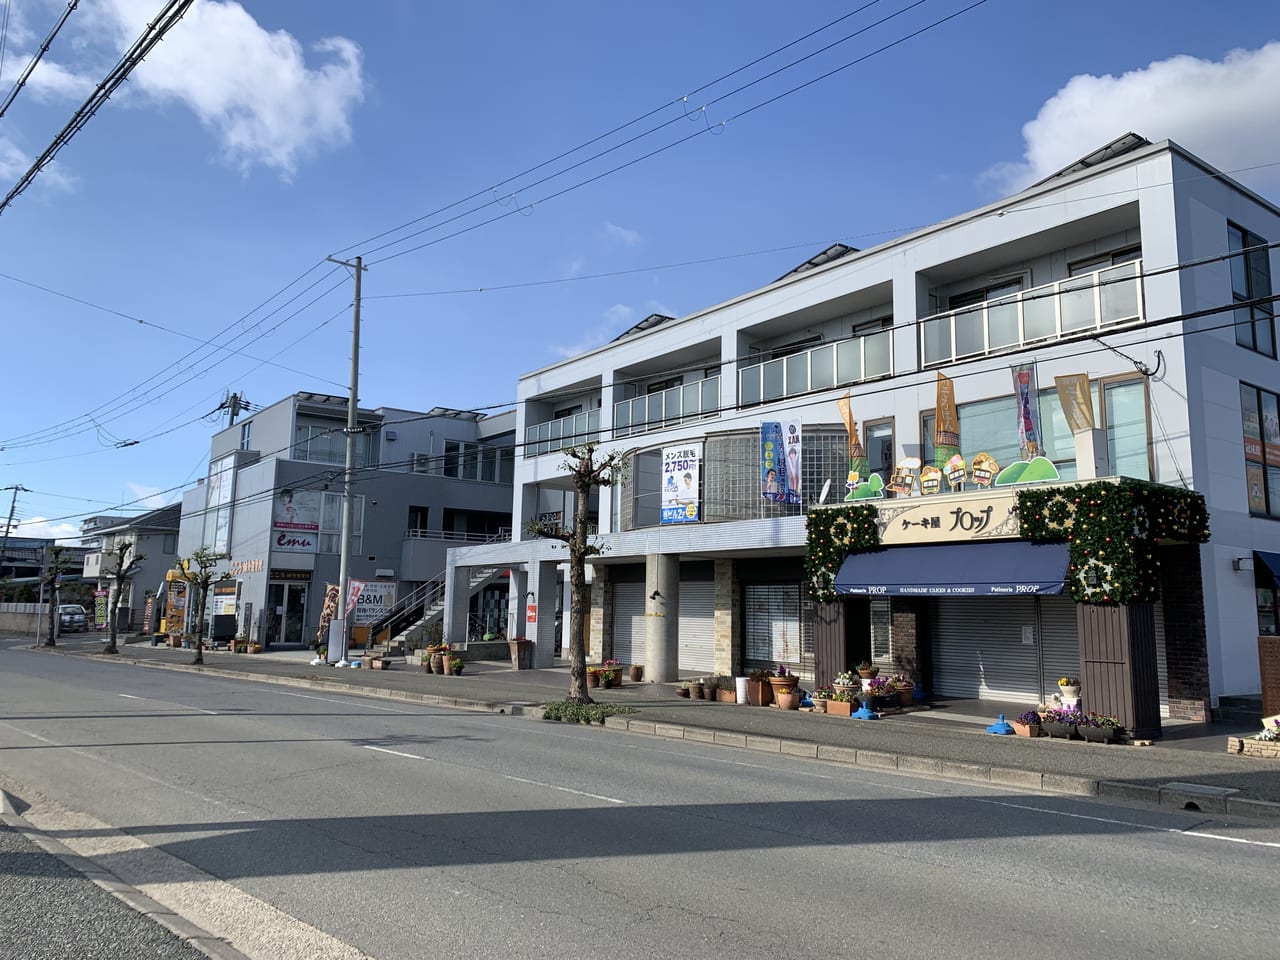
<point x="797" y="373"/>
<point x="622" y="418"/>
<point x="749" y="385"/>
<point x="557" y="427"/>
<point x="593" y="422"/>
<point x="1002" y="324"/>
<point x="690" y="400"/>
<point x="848" y="361"/>
<point x="822" y="367"/>
<point x="774" y="379"/>
<point x="878" y="354"/>
<point x="710" y="395"/>
<point x="937" y="339"/>
<point x="671" y="403"/>
<point x="1119" y="296"/>
<point x="654" y="417"/>
<point x="1038" y="318"/>
<point x="1076" y="297"/>
<point x="969" y="333"/>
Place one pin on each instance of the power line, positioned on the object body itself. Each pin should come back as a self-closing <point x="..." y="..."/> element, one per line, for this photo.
<point x="39" y="54"/>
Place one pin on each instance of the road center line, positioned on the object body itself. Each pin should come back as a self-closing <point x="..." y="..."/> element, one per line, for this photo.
<point x="552" y="786"/>
<point x="172" y="703"/>
<point x="396" y="753"/>
<point x="348" y="703"/>
<point x="130" y="696"/>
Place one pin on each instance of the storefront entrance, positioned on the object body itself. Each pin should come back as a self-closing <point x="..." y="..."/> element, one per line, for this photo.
<point x="286" y="613"/>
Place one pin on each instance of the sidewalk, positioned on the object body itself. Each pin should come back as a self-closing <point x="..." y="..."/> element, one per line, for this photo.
<point x="947" y="740"/>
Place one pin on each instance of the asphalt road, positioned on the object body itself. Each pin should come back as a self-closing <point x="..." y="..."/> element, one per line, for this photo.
<point x="299" y="824"/>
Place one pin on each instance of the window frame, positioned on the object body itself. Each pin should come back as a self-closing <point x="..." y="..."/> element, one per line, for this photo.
<point x="1259" y="314"/>
<point x="1270" y="504"/>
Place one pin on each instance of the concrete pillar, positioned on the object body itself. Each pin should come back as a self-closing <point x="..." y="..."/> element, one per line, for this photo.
<point x="517" y="586"/>
<point x="662" y="617"/>
<point x="542" y="583"/>
<point x="727" y="626"/>
<point x="457" y="603"/>
<point x="566" y="604"/>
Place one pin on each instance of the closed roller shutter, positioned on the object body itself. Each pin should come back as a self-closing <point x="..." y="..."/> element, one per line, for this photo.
<point x="978" y="650"/>
<point x="628" y="622"/>
<point x="771" y="625"/>
<point x="1059" y="643"/>
<point x="697" y="626"/>
<point x="1162" y="663"/>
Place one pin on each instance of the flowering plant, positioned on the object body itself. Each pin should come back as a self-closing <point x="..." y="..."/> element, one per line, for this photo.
<point x="1031" y="718"/>
<point x="610" y="664"/>
<point x="879" y="686"/>
<point x="781" y="671"/>
<point x="901" y="681"/>
<point x="841" y="698"/>
<point x="782" y="691"/>
<point x="1068" y="715"/>
<point x="1068" y="681"/>
<point x="847" y="679"/>
<point x="1270" y="734"/>
<point x="865" y="665"/>
<point x="822" y="693"/>
<point x="1100" y="720"/>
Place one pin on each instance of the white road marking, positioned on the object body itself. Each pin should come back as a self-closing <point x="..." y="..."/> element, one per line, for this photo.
<point x="348" y="703"/>
<point x="576" y="793"/>
<point x="130" y="696"/>
<point x="396" y="753"/>
<point x="172" y="703"/>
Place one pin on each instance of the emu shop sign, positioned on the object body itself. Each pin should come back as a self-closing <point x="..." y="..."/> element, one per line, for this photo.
<point x="923" y="520"/>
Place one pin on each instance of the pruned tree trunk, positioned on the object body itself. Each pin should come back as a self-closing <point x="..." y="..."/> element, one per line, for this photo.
<point x="113" y="608"/>
<point x="577" y="598"/>
<point x="202" y="594"/>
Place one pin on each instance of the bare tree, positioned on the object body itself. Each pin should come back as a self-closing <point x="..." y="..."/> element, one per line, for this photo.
<point x="122" y="569"/>
<point x="49" y="579"/>
<point x="588" y="473"/>
<point x="205" y="562"/>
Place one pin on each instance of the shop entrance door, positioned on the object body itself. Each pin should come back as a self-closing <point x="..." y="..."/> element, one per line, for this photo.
<point x="286" y="613"/>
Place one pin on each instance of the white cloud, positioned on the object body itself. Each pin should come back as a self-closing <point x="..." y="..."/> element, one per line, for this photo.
<point x="612" y="322"/>
<point x="151" y="497"/>
<point x="1217" y="109"/>
<point x="622" y="235"/>
<point x="575" y="266"/>
<point x="46" y="529"/>
<point x="14" y="162"/>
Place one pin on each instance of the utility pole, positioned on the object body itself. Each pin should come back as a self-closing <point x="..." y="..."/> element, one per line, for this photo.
<point x="13" y="504"/>
<point x="338" y="652"/>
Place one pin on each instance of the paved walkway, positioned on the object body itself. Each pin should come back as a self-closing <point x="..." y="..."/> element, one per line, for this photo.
<point x="945" y="738"/>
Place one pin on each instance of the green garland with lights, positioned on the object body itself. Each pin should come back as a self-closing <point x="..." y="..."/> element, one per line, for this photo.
<point x="1113" y="530"/>
<point x="832" y="535"/>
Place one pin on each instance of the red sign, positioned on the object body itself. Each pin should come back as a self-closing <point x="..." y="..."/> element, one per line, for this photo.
<point x="531" y="613"/>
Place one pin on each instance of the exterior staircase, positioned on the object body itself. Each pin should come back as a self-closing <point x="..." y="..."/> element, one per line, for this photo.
<point x="404" y="624"/>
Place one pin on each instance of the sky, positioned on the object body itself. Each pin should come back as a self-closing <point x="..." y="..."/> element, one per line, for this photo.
<point x="175" y="249"/>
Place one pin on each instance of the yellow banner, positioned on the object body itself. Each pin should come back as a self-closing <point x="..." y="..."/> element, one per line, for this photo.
<point x="1077" y="404"/>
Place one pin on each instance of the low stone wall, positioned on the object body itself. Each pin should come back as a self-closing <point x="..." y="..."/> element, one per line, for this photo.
<point x="487" y="650"/>
<point x="21" y="618"/>
<point x="1270" y="749"/>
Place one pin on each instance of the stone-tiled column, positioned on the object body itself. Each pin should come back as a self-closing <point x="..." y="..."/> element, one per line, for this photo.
<point x="1185" y="645"/>
<point x="517" y="586"/>
<point x="601" y="636"/>
<point x="728" y="625"/>
<point x="662" y="617"/>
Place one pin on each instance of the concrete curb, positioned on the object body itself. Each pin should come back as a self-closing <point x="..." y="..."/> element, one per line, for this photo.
<point x="1165" y="797"/>
<point x="133" y="898"/>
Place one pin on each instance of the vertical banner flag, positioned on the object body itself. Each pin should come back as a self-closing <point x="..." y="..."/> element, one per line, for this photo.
<point x="946" y="430"/>
<point x="354" y="589"/>
<point x="681" y="481"/>
<point x="100" y="609"/>
<point x="772" y="471"/>
<point x="327" y="612"/>
<point x="791" y="440"/>
<point x="1027" y="396"/>
<point x="1077" y="404"/>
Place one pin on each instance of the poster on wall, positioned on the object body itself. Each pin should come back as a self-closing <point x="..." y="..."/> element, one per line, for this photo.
<point x="1271" y="428"/>
<point x="780" y="461"/>
<point x="681" y="482"/>
<point x="376" y="598"/>
<point x="295" y="521"/>
<point x="1256" y="482"/>
<point x="224" y="598"/>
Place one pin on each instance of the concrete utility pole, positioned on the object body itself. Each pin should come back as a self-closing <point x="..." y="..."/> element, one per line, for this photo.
<point x="13" y="504"/>
<point x="338" y="627"/>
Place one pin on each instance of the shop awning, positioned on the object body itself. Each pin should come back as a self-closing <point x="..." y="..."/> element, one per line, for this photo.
<point x="1271" y="561"/>
<point x="1004" y="569"/>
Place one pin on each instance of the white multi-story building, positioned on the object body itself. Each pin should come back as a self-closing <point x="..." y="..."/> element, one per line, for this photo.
<point x="1124" y="267"/>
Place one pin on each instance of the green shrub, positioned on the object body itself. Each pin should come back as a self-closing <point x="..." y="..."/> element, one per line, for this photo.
<point x="571" y="712"/>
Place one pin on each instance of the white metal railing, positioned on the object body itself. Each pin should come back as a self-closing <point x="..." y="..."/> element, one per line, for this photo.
<point x="504" y="534"/>
<point x="555" y="435"/>
<point x="1104" y="298"/>
<point x="662" y="408"/>
<point x="863" y="357"/>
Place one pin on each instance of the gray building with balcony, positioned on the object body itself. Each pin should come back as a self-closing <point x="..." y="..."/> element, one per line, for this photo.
<point x="272" y="500"/>
<point x="154" y="536"/>
<point x="1141" y="267"/>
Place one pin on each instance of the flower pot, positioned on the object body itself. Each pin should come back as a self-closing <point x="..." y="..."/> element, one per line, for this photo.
<point x="839" y="708"/>
<point x="456" y="671"/>
<point x="869" y="673"/>
<point x="1069" y="694"/>
<point x="904" y="697"/>
<point x="606" y="681"/>
<point x="781" y="683"/>
<point x="1026" y="729"/>
<point x="593" y="679"/>
<point x="759" y="693"/>
<point x="886" y="700"/>
<point x="1098" y="734"/>
<point x="819" y="705"/>
<point x="846" y="688"/>
<point x="1053" y="728"/>
<point x="682" y="692"/>
<point x="726" y="696"/>
<point x="637" y="673"/>
<point x="697" y="691"/>
<point x="787" y="701"/>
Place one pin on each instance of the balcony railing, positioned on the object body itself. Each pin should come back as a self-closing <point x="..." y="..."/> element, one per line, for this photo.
<point x="689" y="401"/>
<point x="555" y="435"/>
<point x="830" y="365"/>
<point x="413" y="533"/>
<point x="1091" y="301"/>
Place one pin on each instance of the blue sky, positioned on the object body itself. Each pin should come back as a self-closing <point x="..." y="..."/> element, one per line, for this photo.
<point x="262" y="136"/>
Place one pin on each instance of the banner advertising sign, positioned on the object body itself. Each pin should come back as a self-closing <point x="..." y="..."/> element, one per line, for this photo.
<point x="794" y="460"/>
<point x="780" y="461"/>
<point x="992" y="516"/>
<point x="1077" y="405"/>
<point x="327" y="612"/>
<point x="681" y="481"/>
<point x="148" y="613"/>
<point x="175" y="610"/>
<point x="946" y="430"/>
<point x="100" y="609"/>
<point x="376" y="598"/>
<point x="354" y="589"/>
<point x="224" y="598"/>
<point x="295" y="521"/>
<point x="1027" y="396"/>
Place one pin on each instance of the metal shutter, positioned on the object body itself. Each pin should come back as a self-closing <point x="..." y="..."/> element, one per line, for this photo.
<point x="1162" y="663"/>
<point x="771" y="624"/>
<point x="628" y="622"/>
<point x="1059" y="641"/>
<point x="978" y="650"/>
<point x="698" y="626"/>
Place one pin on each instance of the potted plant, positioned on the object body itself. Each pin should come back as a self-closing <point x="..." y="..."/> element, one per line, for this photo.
<point x="880" y="692"/>
<point x="781" y="678"/>
<point x="840" y="704"/>
<point x="683" y="690"/>
<point x="820" y="696"/>
<point x="697" y="689"/>
<point x="866" y="671"/>
<point x="726" y="692"/>
<point x="426" y="662"/>
<point x="904" y="687"/>
<point x="846" y="682"/>
<point x="455" y="666"/>
<point x="1027" y="724"/>
<point x="637" y="672"/>
<point x="1061" y="722"/>
<point x="786" y="698"/>
<point x="1099" y="728"/>
<point x="1069" y="688"/>
<point x="593" y="676"/>
<point x="759" y="691"/>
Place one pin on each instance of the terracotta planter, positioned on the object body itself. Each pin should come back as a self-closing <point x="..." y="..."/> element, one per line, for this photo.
<point x="726" y="696"/>
<point x="839" y="708"/>
<point x="846" y="688"/>
<point x="759" y="693"/>
<point x="869" y="674"/>
<point x="637" y="673"/>
<point x="682" y="692"/>
<point x="782" y="683"/>
<point x="593" y="679"/>
<point x="904" y="697"/>
<point x="787" y="701"/>
<point x="697" y="691"/>
<point x="1026" y="729"/>
<point x="819" y="705"/>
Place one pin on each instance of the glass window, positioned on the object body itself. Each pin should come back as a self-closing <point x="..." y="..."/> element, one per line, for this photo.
<point x="331" y="523"/>
<point x="170" y="545"/>
<point x="878" y="442"/>
<point x="1125" y="410"/>
<point x="1251" y="280"/>
<point x="246" y="434"/>
<point x="1260" y="422"/>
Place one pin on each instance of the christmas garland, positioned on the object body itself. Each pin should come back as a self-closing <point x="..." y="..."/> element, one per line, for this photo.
<point x="1113" y="530"/>
<point x="832" y="535"/>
